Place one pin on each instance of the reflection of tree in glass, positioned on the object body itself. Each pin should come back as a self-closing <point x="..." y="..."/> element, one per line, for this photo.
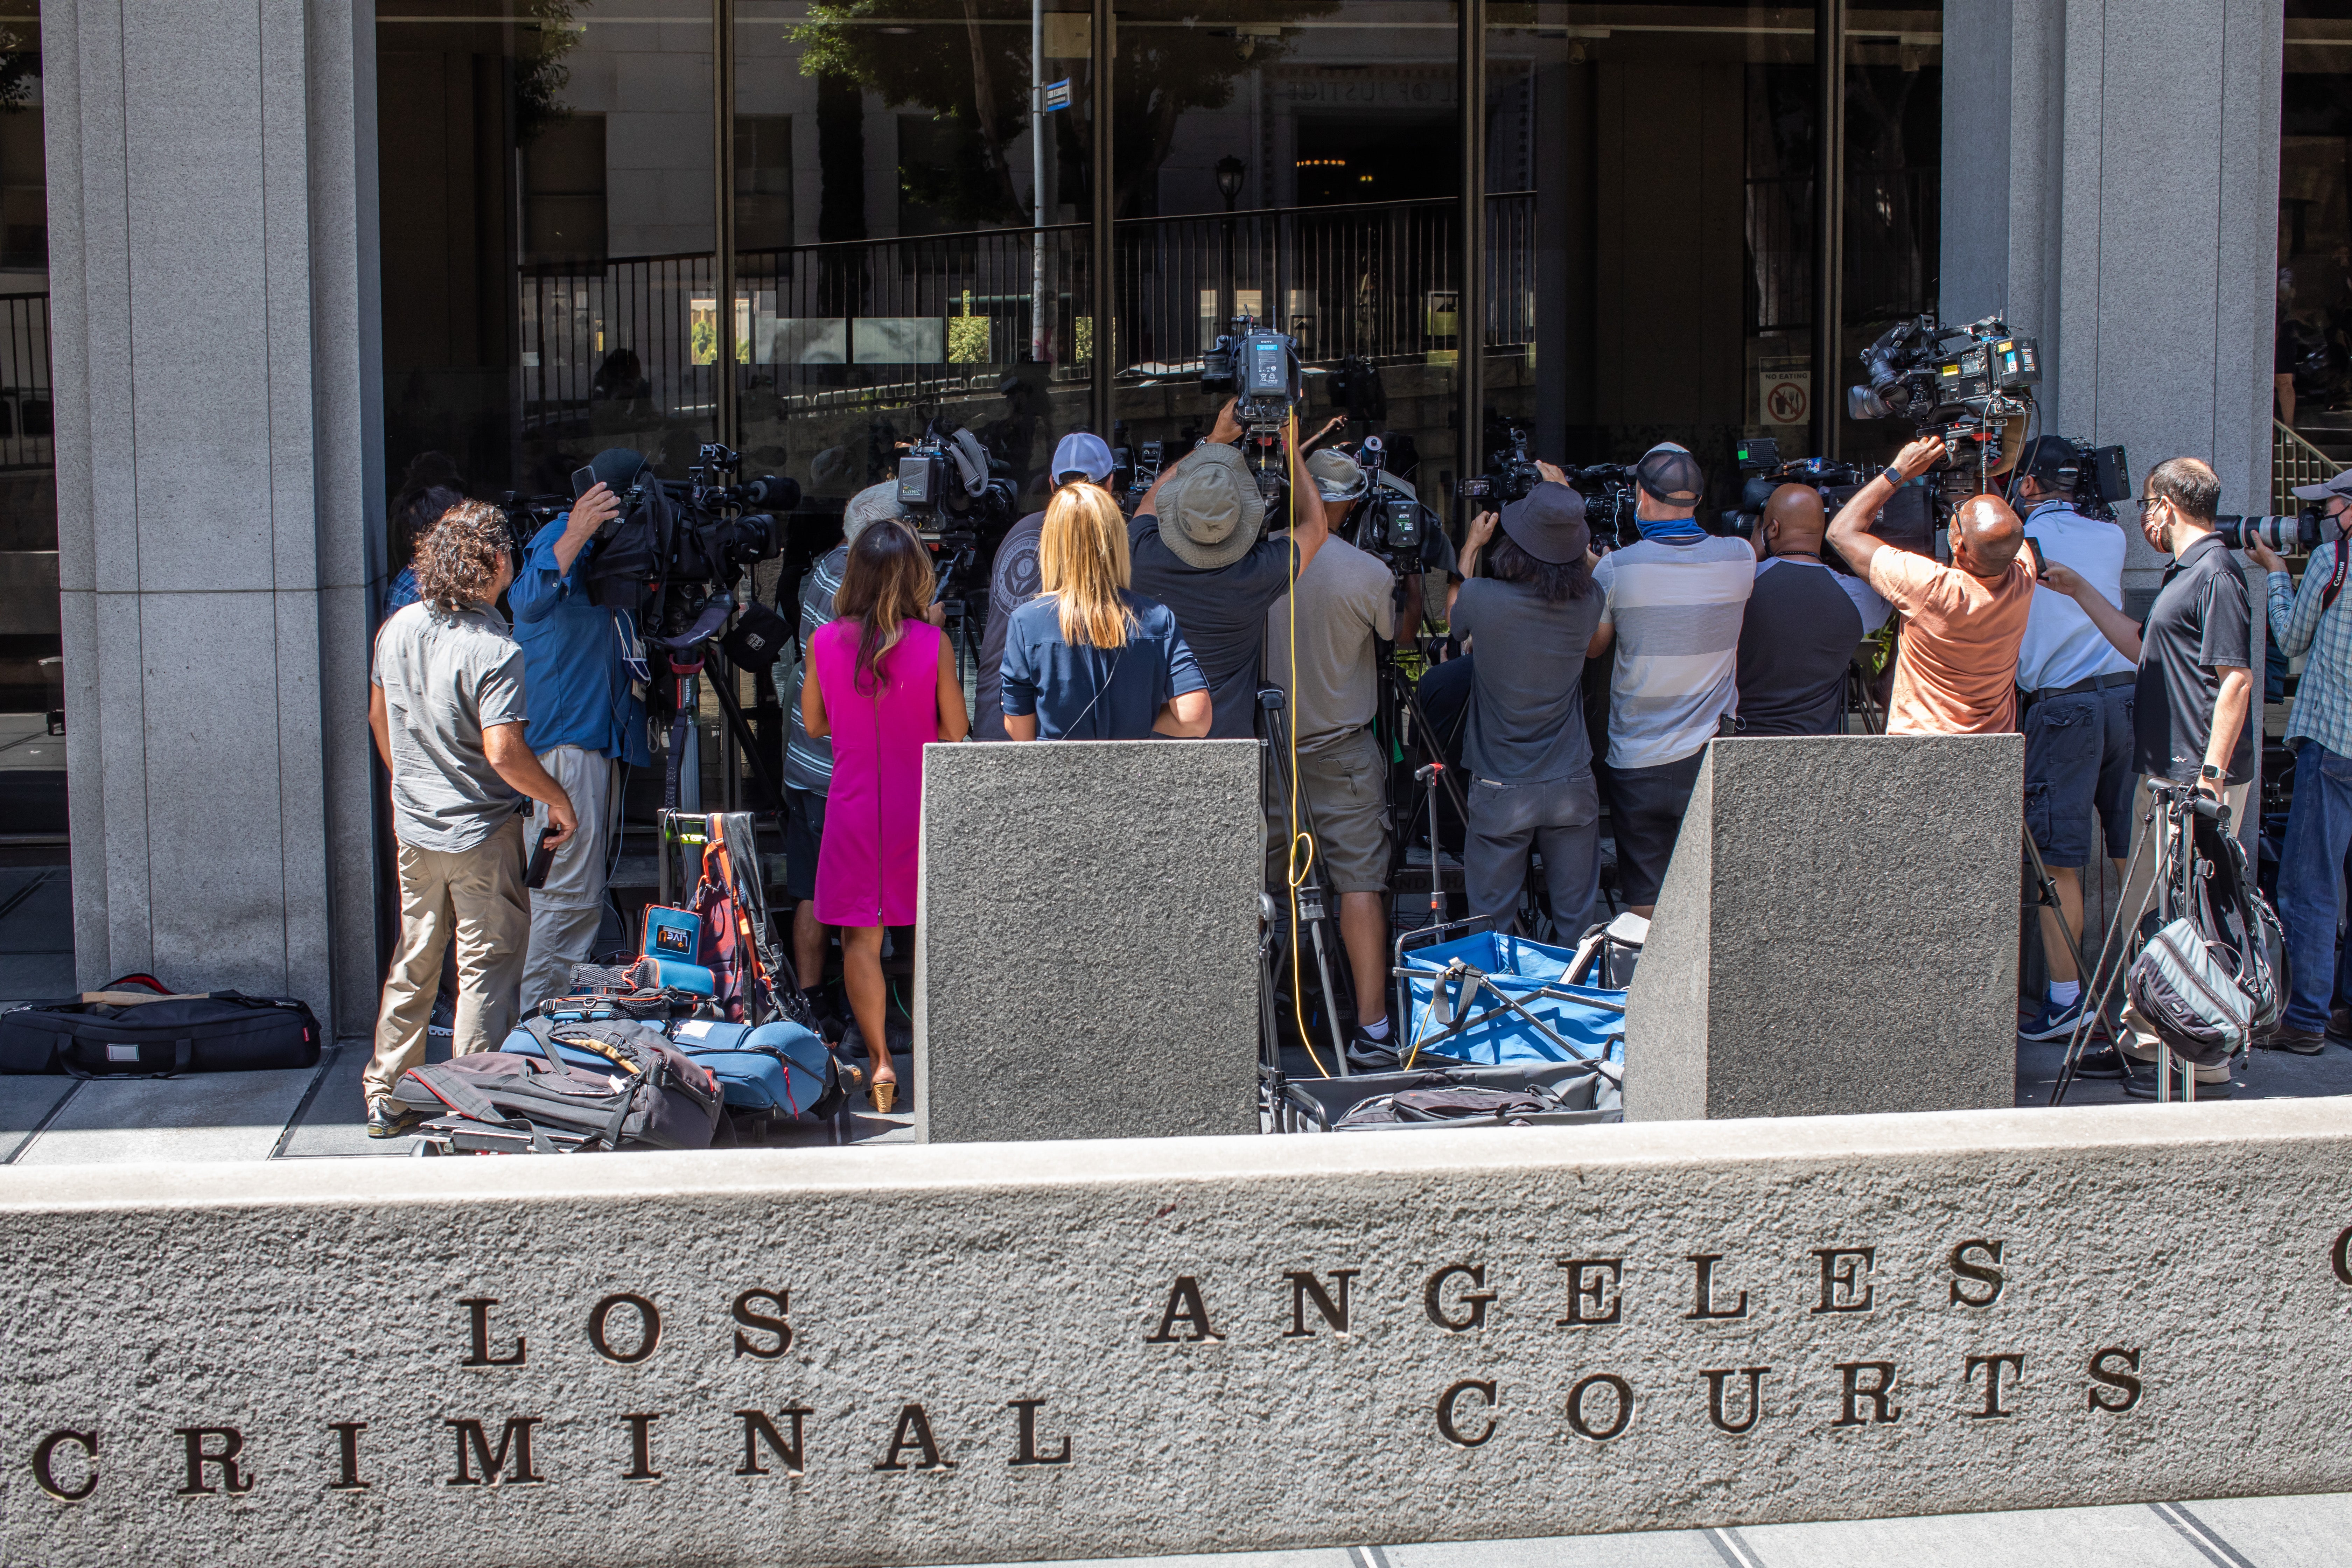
<point x="1184" y="54"/>
<point x="975" y="76"/>
<point x="540" y="74"/>
<point x="20" y="62"/>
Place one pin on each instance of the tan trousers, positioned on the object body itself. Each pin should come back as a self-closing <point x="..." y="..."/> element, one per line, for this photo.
<point x="477" y="898"/>
<point x="2143" y="1044"/>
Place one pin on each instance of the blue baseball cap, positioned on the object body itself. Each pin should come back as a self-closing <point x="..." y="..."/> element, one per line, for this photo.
<point x="1082" y="452"/>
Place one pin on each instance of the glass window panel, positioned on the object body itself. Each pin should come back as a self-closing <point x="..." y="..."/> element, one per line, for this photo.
<point x="1297" y="162"/>
<point x="2313" y="368"/>
<point x="1893" y="158"/>
<point x="547" y="223"/>
<point x="1649" y="226"/>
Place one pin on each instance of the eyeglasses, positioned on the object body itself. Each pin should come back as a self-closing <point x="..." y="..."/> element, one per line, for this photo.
<point x="2143" y="502"/>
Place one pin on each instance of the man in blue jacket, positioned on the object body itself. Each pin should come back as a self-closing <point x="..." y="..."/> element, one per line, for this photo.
<point x="584" y="680"/>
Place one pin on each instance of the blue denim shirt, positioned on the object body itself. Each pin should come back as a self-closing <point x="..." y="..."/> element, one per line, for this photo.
<point x="575" y="680"/>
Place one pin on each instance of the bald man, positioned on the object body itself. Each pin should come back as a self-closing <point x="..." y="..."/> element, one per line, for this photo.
<point x="1955" y="668"/>
<point x="1804" y="623"/>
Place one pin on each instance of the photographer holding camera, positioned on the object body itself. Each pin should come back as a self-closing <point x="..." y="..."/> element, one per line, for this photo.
<point x="1672" y="603"/>
<point x="1013" y="579"/>
<point x="1955" y="668"/>
<point x="584" y="672"/>
<point x="2077" y="692"/>
<point x="1802" y="624"/>
<point x="1196" y="547"/>
<point x="2316" y="620"/>
<point x="2194" y="689"/>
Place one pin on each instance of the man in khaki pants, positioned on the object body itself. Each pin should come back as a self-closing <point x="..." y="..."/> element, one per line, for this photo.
<point x="447" y="713"/>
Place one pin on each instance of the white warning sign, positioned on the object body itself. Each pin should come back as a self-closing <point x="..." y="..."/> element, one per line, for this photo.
<point x="1785" y="392"/>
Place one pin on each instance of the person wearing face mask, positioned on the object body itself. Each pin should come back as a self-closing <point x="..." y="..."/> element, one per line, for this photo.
<point x="2194" y="691"/>
<point x="2317" y="621"/>
<point x="1671" y="605"/>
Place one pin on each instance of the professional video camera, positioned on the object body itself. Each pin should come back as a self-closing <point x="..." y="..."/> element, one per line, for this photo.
<point x="1907" y="520"/>
<point x="956" y="501"/>
<point x="1389" y="522"/>
<point x="1259" y="366"/>
<point x="1972" y="387"/>
<point x="1511" y="474"/>
<point x="673" y="540"/>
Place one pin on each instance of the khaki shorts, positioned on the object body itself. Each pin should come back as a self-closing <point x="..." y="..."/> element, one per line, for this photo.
<point x="1345" y="784"/>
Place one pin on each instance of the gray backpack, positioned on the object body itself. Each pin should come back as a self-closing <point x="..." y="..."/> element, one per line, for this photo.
<point x="645" y="1093"/>
<point x="2203" y="983"/>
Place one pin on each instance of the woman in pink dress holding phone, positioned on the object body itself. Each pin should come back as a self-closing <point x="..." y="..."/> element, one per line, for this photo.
<point x="885" y="687"/>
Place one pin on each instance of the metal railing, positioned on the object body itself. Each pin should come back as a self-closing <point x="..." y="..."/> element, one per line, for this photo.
<point x="2295" y="461"/>
<point x="26" y="410"/>
<point x="1890" y="266"/>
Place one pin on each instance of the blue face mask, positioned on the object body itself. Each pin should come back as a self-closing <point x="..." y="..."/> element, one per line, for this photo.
<point x="1668" y="527"/>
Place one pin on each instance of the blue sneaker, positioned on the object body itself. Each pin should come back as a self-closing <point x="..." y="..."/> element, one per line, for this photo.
<point x="2054" y="1022"/>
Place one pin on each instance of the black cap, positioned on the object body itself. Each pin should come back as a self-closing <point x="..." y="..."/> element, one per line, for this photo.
<point x="2045" y="455"/>
<point x="1549" y="524"/>
<point x="1670" y="475"/>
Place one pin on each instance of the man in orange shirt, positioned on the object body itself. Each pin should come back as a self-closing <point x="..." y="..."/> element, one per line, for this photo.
<point x="1956" y="671"/>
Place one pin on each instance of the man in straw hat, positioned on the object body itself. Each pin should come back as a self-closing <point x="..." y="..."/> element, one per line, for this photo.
<point x="1197" y="549"/>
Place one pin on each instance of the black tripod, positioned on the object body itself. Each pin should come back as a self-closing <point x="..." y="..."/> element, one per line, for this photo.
<point x="693" y="652"/>
<point x="1310" y="897"/>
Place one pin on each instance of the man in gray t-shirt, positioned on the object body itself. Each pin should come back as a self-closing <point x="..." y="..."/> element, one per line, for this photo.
<point x="448" y="711"/>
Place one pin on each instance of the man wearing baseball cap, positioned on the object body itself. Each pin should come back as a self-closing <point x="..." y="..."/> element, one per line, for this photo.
<point x="1346" y="607"/>
<point x="2317" y="621"/>
<point x="1081" y="457"/>
<point x="1197" y="549"/>
<point x="1672" y="604"/>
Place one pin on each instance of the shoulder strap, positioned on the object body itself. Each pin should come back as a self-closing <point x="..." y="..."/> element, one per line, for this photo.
<point x="2335" y="578"/>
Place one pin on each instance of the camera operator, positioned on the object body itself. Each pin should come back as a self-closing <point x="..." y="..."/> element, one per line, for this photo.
<point x="808" y="760"/>
<point x="1013" y="579"/>
<point x="584" y="672"/>
<point x="1802" y="624"/>
<point x="1672" y="602"/>
<point x="1956" y="667"/>
<point x="2316" y="620"/>
<point x="2076" y="690"/>
<point x="1345" y="607"/>
<point x="1196" y="548"/>
<point x="2195" y="685"/>
<point x="1524" y="621"/>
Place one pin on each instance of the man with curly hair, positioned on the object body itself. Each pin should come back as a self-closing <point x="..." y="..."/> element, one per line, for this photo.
<point x="448" y="711"/>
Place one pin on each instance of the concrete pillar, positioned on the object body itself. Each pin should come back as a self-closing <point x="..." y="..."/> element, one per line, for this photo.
<point x="213" y="256"/>
<point x="2111" y="186"/>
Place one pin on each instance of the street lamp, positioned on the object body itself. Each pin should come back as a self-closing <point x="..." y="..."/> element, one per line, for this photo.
<point x="1230" y="171"/>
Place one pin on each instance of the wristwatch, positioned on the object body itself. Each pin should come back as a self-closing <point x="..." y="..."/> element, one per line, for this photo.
<point x="2209" y="771"/>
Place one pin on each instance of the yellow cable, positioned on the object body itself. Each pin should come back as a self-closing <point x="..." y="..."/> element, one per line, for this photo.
<point x="1295" y="869"/>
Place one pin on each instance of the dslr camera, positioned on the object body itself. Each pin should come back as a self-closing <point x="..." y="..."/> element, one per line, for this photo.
<point x="1259" y="366"/>
<point x="2297" y="535"/>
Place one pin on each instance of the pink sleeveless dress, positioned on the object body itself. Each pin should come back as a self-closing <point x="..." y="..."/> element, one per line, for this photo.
<point x="872" y="813"/>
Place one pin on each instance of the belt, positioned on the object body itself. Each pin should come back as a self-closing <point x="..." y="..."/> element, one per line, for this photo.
<point x="2096" y="683"/>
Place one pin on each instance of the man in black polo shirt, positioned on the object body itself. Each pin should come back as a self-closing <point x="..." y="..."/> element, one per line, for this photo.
<point x="1804" y="623"/>
<point x="2195" y="682"/>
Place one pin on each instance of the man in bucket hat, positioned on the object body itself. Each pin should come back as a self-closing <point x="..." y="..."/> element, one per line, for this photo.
<point x="1524" y="620"/>
<point x="1197" y="548"/>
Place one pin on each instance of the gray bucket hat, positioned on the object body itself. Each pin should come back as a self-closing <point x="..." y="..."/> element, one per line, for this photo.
<point x="1210" y="508"/>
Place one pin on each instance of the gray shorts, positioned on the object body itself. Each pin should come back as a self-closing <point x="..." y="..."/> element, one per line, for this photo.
<point x="1344" y="785"/>
<point x="2079" y="776"/>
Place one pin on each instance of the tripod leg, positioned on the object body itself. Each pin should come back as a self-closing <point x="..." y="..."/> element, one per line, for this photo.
<point x="733" y="709"/>
<point x="1330" y="997"/>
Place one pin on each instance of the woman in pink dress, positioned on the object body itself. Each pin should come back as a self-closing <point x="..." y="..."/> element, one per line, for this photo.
<point x="884" y="686"/>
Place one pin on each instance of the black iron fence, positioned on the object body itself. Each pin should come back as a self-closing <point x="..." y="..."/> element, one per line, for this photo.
<point x="26" y="411"/>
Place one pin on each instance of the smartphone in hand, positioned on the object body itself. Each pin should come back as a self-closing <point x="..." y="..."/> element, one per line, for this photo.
<point x="583" y="481"/>
<point x="2040" y="567"/>
<point x="543" y="859"/>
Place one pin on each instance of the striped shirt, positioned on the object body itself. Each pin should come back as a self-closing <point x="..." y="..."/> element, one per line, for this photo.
<point x="808" y="763"/>
<point x="2323" y="702"/>
<point x="1677" y="609"/>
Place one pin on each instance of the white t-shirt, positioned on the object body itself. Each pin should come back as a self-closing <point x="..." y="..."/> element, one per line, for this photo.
<point x="1677" y="610"/>
<point x="2061" y="644"/>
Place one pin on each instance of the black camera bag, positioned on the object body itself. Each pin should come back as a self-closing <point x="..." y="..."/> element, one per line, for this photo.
<point x="110" y="1035"/>
<point x="630" y="560"/>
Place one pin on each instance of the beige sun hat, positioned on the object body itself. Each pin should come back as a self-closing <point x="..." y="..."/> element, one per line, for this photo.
<point x="1210" y="508"/>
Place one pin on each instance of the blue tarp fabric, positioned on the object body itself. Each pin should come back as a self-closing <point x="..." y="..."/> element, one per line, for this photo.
<point x="1500" y="1037"/>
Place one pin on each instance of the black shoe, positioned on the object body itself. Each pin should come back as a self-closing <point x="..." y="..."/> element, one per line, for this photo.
<point x="2105" y="1062"/>
<point x="1366" y="1054"/>
<point x="2339" y="1022"/>
<point x="2302" y="1042"/>
<point x="390" y="1119"/>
